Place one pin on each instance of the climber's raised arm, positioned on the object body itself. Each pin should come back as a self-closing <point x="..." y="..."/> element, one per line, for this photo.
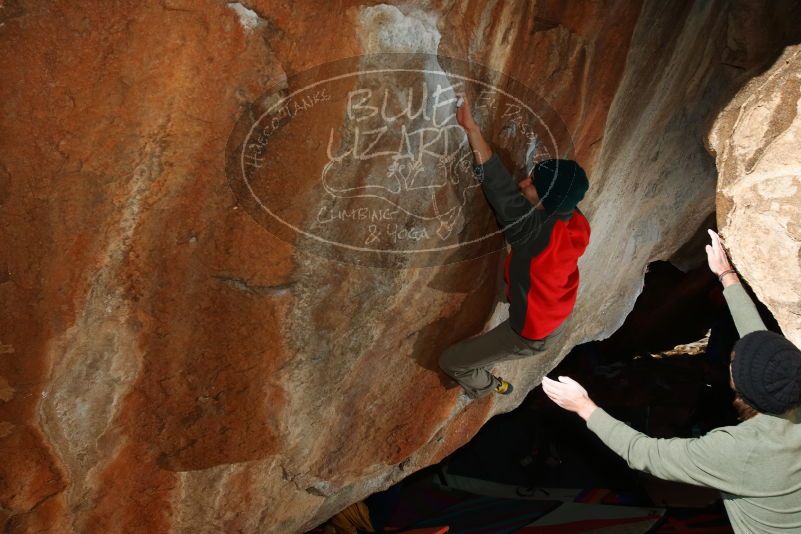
<point x="519" y="215"/>
<point x="481" y="149"/>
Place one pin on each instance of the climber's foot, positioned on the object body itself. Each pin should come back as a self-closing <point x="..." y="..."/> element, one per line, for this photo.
<point x="503" y="387"/>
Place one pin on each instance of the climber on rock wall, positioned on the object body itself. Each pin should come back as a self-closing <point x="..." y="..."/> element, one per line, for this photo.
<point x="547" y="233"/>
<point x="756" y="464"/>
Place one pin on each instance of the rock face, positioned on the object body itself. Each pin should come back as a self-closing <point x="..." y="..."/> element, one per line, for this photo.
<point x="167" y="364"/>
<point x="755" y="141"/>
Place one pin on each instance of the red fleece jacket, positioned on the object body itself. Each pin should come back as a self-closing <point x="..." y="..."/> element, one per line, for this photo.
<point x="553" y="278"/>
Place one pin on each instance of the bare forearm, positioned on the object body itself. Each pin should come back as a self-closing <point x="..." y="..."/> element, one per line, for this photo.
<point x="730" y="279"/>
<point x="480" y="147"/>
<point x="586" y="408"/>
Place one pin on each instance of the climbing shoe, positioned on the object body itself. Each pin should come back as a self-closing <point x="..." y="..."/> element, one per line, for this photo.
<point x="503" y="387"/>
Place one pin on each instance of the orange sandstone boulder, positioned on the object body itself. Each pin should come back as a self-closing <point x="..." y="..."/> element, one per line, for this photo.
<point x="173" y="359"/>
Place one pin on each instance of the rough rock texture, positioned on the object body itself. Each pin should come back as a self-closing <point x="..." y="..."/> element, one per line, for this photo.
<point x="756" y="144"/>
<point x="168" y="365"/>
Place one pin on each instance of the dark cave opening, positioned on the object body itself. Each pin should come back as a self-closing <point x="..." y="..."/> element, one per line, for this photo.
<point x="664" y="372"/>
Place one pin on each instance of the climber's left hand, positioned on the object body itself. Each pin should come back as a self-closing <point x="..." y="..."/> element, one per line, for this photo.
<point x="570" y="395"/>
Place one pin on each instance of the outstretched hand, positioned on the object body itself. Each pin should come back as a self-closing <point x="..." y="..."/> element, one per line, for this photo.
<point x="570" y="395"/>
<point x="716" y="256"/>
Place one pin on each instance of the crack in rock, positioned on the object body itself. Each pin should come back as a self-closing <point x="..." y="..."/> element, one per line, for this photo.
<point x="245" y="286"/>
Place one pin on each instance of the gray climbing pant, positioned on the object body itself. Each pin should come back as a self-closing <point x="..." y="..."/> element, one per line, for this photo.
<point x="469" y="362"/>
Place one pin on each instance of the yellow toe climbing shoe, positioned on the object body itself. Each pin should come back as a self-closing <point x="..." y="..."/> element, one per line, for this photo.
<point x="504" y="387"/>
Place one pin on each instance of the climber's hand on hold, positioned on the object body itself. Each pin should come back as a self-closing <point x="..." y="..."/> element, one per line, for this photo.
<point x="481" y="149"/>
<point x="463" y="114"/>
<point x="716" y="256"/>
<point x="719" y="261"/>
<point x="570" y="395"/>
